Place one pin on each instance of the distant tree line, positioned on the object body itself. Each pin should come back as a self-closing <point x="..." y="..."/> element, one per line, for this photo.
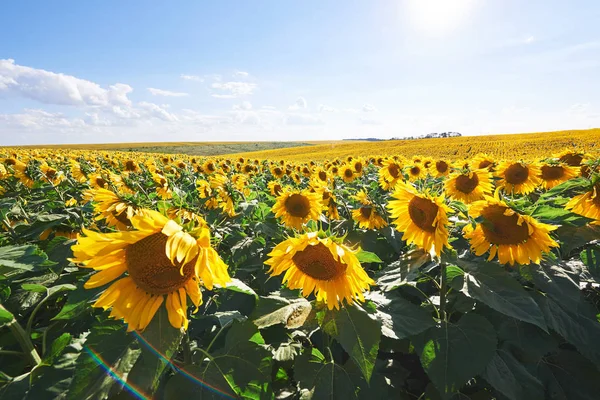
<point x="427" y="136"/>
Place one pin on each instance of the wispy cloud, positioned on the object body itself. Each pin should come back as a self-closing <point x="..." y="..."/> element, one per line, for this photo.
<point x="166" y="93"/>
<point x="195" y="78"/>
<point x="233" y="89"/>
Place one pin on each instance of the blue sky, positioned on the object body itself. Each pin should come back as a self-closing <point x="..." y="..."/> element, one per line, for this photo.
<point x="114" y="71"/>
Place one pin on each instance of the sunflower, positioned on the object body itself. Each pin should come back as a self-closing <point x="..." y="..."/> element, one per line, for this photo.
<point x="347" y="173"/>
<point x="297" y="207"/>
<point x="278" y="172"/>
<point x="572" y="158"/>
<point x="159" y="259"/>
<point x="415" y="172"/>
<point x="77" y="172"/>
<point x="481" y="161"/>
<point x="358" y="165"/>
<point x="421" y="216"/>
<point x="555" y="174"/>
<point x="587" y="204"/>
<point x="209" y="167"/>
<point x="112" y="207"/>
<point x="510" y="235"/>
<point x="362" y="197"/>
<point x="275" y="188"/>
<point x="469" y="186"/>
<point x="440" y="168"/>
<point x="97" y="181"/>
<point x="518" y="177"/>
<point x="185" y="216"/>
<point x="321" y="176"/>
<point x="130" y="166"/>
<point x="51" y="175"/>
<point x="368" y="218"/>
<point x="317" y="263"/>
<point x="389" y="174"/>
<point x="162" y="188"/>
<point x="203" y="188"/>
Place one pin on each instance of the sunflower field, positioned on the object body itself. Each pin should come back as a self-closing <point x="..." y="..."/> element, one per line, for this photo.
<point x="155" y="276"/>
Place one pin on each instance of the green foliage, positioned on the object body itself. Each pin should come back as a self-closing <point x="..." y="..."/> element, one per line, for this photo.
<point x="450" y="327"/>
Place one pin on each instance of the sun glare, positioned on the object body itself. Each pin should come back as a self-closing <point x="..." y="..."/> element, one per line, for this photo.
<point x="437" y="17"/>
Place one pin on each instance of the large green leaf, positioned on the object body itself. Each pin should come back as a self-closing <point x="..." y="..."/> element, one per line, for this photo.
<point x="451" y="354"/>
<point x="557" y="282"/>
<point x="574" y="237"/>
<point x="106" y="344"/>
<point x="591" y="258"/>
<point x="358" y="333"/>
<point x="17" y="259"/>
<point x="578" y="326"/>
<point x="367" y="257"/>
<point x="322" y="379"/>
<point x="240" y="368"/>
<point x="291" y="315"/>
<point x="568" y="375"/>
<point x="159" y="342"/>
<point x="399" y="317"/>
<point x="510" y="378"/>
<point x="492" y="285"/>
<point x="405" y="270"/>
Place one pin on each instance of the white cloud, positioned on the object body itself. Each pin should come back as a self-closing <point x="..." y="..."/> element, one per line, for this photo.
<point x="245" y="105"/>
<point x="303" y="119"/>
<point x="369" y="108"/>
<point x="324" y="109"/>
<point x="52" y="88"/>
<point x="167" y="93"/>
<point x="241" y="74"/>
<point x="156" y="111"/>
<point x="369" y="121"/>
<point x="36" y="119"/>
<point x="300" y="104"/>
<point x="529" y="39"/>
<point x="195" y="78"/>
<point x="579" y="108"/>
<point x="233" y="89"/>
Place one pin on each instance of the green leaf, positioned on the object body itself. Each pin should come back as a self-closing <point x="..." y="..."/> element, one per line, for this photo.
<point x="17" y="259"/>
<point x="274" y="309"/>
<point x="106" y="344"/>
<point x="568" y="375"/>
<point x="578" y="326"/>
<point x="451" y="354"/>
<point x="591" y="258"/>
<point x="556" y="282"/>
<point x="159" y="342"/>
<point x="367" y="257"/>
<point x="34" y="287"/>
<point x="78" y="302"/>
<point x="358" y="333"/>
<point x="237" y="285"/>
<point x="571" y="184"/>
<point x="5" y="316"/>
<point x="324" y="380"/>
<point x="574" y="237"/>
<point x="510" y="378"/>
<point x="241" y="368"/>
<point x="492" y="285"/>
<point x="57" y="348"/>
<point x="399" y="317"/>
<point x="405" y="270"/>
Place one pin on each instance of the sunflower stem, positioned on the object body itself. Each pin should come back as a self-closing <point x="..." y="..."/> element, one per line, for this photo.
<point x="187" y="353"/>
<point x="19" y="333"/>
<point x="218" y="334"/>
<point x="443" y="289"/>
